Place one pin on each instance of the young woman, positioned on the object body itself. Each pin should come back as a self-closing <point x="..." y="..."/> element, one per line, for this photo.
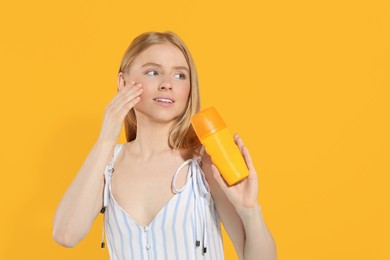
<point x="161" y="196"/>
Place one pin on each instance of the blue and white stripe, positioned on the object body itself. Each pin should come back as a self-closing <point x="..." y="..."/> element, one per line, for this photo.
<point x="190" y="215"/>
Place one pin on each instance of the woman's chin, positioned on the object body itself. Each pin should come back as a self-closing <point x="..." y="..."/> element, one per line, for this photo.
<point x="161" y="117"/>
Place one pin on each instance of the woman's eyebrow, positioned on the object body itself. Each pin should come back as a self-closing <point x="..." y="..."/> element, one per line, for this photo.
<point x="158" y="65"/>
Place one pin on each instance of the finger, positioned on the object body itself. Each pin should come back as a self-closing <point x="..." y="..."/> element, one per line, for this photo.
<point x="126" y="98"/>
<point x="128" y="106"/>
<point x="130" y="101"/>
<point x="129" y="92"/>
<point x="122" y="94"/>
<point x="218" y="177"/>
<point x="245" y="153"/>
<point x="238" y="142"/>
<point x="248" y="160"/>
<point x="131" y="84"/>
<point x="129" y="87"/>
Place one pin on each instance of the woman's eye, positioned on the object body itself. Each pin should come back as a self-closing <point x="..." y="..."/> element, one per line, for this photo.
<point x="152" y="73"/>
<point x="180" y="76"/>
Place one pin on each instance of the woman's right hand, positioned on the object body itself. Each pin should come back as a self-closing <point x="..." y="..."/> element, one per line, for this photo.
<point x="126" y="98"/>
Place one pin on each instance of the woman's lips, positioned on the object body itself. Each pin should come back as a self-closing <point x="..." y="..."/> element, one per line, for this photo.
<point x="164" y="100"/>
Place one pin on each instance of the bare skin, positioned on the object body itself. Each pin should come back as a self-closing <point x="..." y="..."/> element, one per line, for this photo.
<point x="145" y="162"/>
<point x="145" y="167"/>
<point x="146" y="182"/>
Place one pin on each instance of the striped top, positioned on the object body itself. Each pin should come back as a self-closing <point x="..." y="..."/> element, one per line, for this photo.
<point x="187" y="227"/>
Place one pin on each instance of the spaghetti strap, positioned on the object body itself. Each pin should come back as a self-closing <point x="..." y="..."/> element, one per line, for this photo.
<point x="107" y="179"/>
<point x="195" y="159"/>
<point x="117" y="149"/>
<point x="173" y="184"/>
<point x="108" y="173"/>
<point x="201" y="151"/>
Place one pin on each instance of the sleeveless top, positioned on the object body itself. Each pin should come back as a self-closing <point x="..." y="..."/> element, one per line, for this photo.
<point x="187" y="227"/>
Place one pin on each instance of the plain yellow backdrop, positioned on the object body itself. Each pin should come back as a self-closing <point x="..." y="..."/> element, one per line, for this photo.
<point x="305" y="83"/>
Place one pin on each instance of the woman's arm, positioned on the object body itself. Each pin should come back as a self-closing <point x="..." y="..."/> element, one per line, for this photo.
<point x="240" y="211"/>
<point x="82" y="201"/>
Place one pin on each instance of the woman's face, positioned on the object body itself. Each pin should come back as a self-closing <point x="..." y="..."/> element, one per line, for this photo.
<point x="164" y="74"/>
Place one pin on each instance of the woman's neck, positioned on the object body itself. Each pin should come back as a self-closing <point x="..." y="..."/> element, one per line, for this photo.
<point x="152" y="138"/>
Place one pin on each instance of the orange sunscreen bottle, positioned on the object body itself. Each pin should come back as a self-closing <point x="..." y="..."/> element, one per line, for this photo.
<point x="219" y="144"/>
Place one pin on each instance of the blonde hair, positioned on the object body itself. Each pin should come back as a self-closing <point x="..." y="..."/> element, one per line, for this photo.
<point x="181" y="135"/>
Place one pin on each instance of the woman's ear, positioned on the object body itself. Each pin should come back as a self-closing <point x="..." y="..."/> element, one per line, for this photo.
<point x="121" y="81"/>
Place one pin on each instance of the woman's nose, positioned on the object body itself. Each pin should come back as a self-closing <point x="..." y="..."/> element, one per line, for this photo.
<point x="165" y="84"/>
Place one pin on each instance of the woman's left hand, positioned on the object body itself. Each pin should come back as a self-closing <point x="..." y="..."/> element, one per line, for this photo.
<point x="242" y="195"/>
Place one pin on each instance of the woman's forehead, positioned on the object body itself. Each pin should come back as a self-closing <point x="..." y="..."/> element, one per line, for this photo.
<point x="163" y="54"/>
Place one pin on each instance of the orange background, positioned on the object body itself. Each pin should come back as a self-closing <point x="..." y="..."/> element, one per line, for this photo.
<point x="305" y="83"/>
